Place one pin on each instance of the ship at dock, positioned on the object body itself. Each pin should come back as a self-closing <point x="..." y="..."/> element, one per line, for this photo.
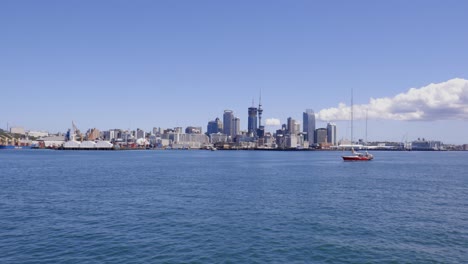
<point x="15" y="147"/>
<point x="8" y="141"/>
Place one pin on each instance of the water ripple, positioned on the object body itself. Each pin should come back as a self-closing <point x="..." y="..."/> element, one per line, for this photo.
<point x="232" y="207"/>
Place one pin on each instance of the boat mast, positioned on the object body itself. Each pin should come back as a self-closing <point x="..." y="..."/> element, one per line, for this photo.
<point x="352" y="118"/>
<point x="367" y="112"/>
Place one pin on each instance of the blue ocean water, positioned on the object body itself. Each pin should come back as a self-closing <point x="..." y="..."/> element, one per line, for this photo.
<point x="232" y="207"/>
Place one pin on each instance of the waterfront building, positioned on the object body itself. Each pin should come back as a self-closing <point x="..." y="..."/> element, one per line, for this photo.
<point x="184" y="141"/>
<point x="291" y="141"/>
<point x="156" y="131"/>
<point x="422" y="144"/>
<point x="252" y="122"/>
<point x="110" y="135"/>
<point x="17" y="130"/>
<point x="331" y="133"/>
<point x="308" y="121"/>
<point x="228" y="117"/>
<point x="193" y="130"/>
<point x="301" y="141"/>
<point x="126" y="136"/>
<point x="280" y="136"/>
<point x="93" y="134"/>
<point x="154" y="141"/>
<point x="266" y="141"/>
<point x="52" y="141"/>
<point x="321" y="135"/>
<point x="158" y="142"/>
<point x="37" y="133"/>
<point x="280" y="141"/>
<point x="113" y="135"/>
<point x="140" y="133"/>
<point x="218" y="138"/>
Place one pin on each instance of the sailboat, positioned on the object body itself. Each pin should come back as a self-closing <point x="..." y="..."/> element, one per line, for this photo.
<point x="356" y="156"/>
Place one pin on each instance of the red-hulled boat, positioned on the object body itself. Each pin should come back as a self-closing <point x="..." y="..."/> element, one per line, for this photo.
<point x="356" y="156"/>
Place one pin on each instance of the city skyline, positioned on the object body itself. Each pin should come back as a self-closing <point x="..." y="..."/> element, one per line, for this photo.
<point x="121" y="65"/>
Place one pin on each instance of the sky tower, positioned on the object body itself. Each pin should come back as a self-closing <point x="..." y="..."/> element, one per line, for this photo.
<point x="260" y="110"/>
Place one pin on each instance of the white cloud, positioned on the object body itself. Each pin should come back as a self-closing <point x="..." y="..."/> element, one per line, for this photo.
<point x="439" y="101"/>
<point x="272" y="122"/>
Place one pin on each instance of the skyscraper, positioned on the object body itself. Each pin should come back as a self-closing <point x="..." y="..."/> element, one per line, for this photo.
<point x="291" y="126"/>
<point x="308" y="120"/>
<point x="227" y="122"/>
<point x="140" y="133"/>
<point x="214" y="126"/>
<point x="220" y="125"/>
<point x="321" y="135"/>
<point x="252" y="122"/>
<point x="331" y="133"/>
<point x="235" y="126"/>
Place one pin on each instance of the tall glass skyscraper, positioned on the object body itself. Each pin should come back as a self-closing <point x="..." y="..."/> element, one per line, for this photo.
<point x="308" y="119"/>
<point x="292" y="126"/>
<point x="252" y="122"/>
<point x="214" y="126"/>
<point x="227" y="122"/>
<point x="331" y="133"/>
<point x="235" y="126"/>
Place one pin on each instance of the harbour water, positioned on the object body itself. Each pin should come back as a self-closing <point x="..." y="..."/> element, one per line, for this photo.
<point x="232" y="207"/>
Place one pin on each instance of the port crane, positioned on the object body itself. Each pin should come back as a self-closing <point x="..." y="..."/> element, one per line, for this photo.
<point x="76" y="131"/>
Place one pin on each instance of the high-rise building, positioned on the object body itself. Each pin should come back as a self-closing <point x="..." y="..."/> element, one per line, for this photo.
<point x="321" y="135"/>
<point x="308" y="120"/>
<point x="212" y="127"/>
<point x="297" y="127"/>
<point x="252" y="122"/>
<point x="93" y="134"/>
<point x="140" y="133"/>
<point x="111" y="135"/>
<point x="228" y="116"/>
<point x="220" y="125"/>
<point x="292" y="126"/>
<point x="235" y="126"/>
<point x="331" y="133"/>
<point x="156" y="130"/>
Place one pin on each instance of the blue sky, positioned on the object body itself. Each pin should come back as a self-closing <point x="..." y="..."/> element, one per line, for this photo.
<point x="129" y="64"/>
